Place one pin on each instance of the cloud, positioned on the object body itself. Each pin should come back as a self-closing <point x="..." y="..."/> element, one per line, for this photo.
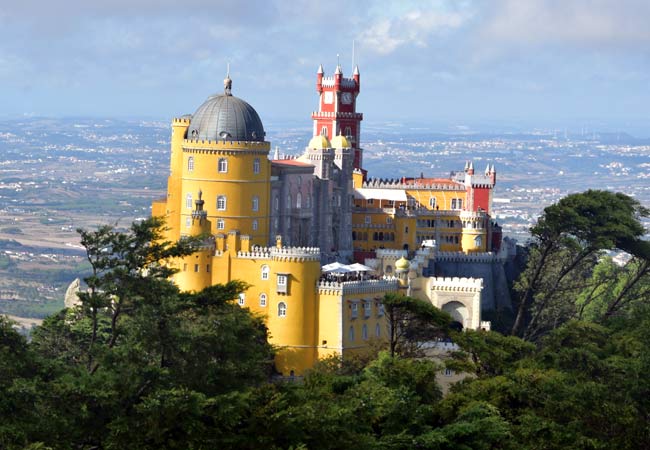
<point x="415" y="27"/>
<point x="592" y="24"/>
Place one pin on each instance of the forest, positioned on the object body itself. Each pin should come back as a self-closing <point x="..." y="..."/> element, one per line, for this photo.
<point x="140" y="365"/>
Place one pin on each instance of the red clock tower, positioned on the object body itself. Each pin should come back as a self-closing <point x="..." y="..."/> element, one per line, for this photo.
<point x="337" y="108"/>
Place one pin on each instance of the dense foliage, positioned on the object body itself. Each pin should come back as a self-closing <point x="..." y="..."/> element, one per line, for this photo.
<point x="139" y="365"/>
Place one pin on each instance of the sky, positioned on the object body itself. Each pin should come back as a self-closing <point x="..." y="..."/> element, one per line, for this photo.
<point x="540" y="61"/>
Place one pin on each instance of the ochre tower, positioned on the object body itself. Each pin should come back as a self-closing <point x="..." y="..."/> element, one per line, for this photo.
<point x="337" y="106"/>
<point x="221" y="152"/>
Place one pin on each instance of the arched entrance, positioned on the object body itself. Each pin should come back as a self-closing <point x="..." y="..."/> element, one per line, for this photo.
<point x="458" y="313"/>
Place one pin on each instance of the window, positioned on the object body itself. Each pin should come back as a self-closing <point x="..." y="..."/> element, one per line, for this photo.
<point x="265" y="272"/>
<point x="256" y="165"/>
<point x="255" y="225"/>
<point x="276" y="203"/>
<point x="367" y="306"/>
<point x="364" y="332"/>
<point x="368" y="219"/>
<point x="282" y="283"/>
<point x="282" y="309"/>
<point x="371" y="201"/>
<point x="188" y="201"/>
<point x="242" y="299"/>
<point x="351" y="334"/>
<point x="308" y="201"/>
<point x="221" y="203"/>
<point x="223" y="165"/>
<point x="185" y="267"/>
<point x="389" y="220"/>
<point x="456" y="203"/>
<point x="388" y="270"/>
<point x="190" y="164"/>
<point x="380" y="310"/>
<point x="432" y="202"/>
<point x="355" y="310"/>
<point x="221" y="224"/>
<point x="256" y="203"/>
<point x="478" y="241"/>
<point x="262" y="300"/>
<point x="323" y="131"/>
<point x="448" y="372"/>
<point x="299" y="200"/>
<point x="196" y="267"/>
<point x="406" y="230"/>
<point x="377" y="331"/>
<point x="289" y="201"/>
<point x="188" y="222"/>
<point x="348" y="131"/>
<point x="207" y="268"/>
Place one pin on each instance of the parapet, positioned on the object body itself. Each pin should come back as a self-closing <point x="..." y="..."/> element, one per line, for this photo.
<point x="390" y="253"/>
<point x="479" y="257"/>
<point x="255" y="253"/>
<point x="295" y="254"/>
<point x="457" y="284"/>
<point x="181" y="121"/>
<point x="358" y="287"/>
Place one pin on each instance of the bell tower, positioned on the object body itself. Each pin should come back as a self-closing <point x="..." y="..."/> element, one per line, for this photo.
<point x="337" y="105"/>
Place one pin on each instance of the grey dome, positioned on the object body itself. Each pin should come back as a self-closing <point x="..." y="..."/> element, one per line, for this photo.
<point x="226" y="117"/>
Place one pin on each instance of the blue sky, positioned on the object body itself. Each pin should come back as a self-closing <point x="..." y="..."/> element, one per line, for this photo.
<point x="466" y="60"/>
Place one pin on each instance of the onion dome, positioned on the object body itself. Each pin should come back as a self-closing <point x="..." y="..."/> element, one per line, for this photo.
<point x="319" y="142"/>
<point x="226" y="117"/>
<point x="340" y="141"/>
<point x="402" y="264"/>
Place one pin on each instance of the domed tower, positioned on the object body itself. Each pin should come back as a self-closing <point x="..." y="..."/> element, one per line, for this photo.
<point x="220" y="150"/>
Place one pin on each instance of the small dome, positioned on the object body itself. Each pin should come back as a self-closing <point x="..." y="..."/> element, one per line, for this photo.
<point x="340" y="141"/>
<point x="319" y="142"/>
<point x="226" y="117"/>
<point x="402" y="264"/>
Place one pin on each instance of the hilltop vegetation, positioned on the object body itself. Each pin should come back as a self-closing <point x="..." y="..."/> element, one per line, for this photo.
<point x="140" y="365"/>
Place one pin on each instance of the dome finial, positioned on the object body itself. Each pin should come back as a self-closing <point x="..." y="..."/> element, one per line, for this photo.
<point x="227" y="82"/>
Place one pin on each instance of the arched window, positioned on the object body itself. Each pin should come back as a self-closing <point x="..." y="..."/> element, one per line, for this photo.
<point x="377" y="331"/>
<point x="265" y="272"/>
<point x="190" y="164"/>
<point x="299" y="200"/>
<point x="276" y="203"/>
<point x="188" y="201"/>
<point x="255" y="225"/>
<point x="256" y="203"/>
<point x="348" y="131"/>
<point x="256" y="165"/>
<point x="282" y="309"/>
<point x="221" y="203"/>
<point x="388" y="270"/>
<point x="323" y="131"/>
<point x="364" y="332"/>
<point x="221" y="224"/>
<point x="478" y="241"/>
<point x="308" y="201"/>
<point x="432" y="202"/>
<point x="289" y="201"/>
<point x="351" y="334"/>
<point x="242" y="299"/>
<point x="223" y="165"/>
<point x="263" y="300"/>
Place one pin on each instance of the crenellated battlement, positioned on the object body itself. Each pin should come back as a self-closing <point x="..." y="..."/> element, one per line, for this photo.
<point x="256" y="253"/>
<point x="457" y="284"/>
<point x="336" y="115"/>
<point x="358" y="287"/>
<point x="181" y="121"/>
<point x="295" y="254"/>
<point x="390" y="253"/>
<point x="479" y="257"/>
<point x="397" y="183"/>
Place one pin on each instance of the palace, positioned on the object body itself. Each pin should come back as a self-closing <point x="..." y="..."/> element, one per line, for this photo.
<point x="274" y="222"/>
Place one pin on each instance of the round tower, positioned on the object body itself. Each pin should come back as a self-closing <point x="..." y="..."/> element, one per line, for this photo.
<point x="225" y="156"/>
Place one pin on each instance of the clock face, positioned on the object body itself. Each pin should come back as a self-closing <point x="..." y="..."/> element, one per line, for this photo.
<point x="346" y="98"/>
<point x="329" y="97"/>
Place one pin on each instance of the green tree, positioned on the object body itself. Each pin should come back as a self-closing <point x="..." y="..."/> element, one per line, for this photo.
<point x="567" y="241"/>
<point x="411" y="321"/>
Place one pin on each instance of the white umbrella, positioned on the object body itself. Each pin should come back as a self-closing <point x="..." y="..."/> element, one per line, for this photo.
<point x="332" y="266"/>
<point x="360" y="268"/>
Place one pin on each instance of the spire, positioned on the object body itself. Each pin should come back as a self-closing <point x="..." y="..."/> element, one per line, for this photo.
<point x="338" y="70"/>
<point x="466" y="165"/>
<point x="320" y="69"/>
<point x="227" y="82"/>
<point x="470" y="169"/>
<point x="356" y="69"/>
<point x="276" y="155"/>
<point x="487" y="169"/>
